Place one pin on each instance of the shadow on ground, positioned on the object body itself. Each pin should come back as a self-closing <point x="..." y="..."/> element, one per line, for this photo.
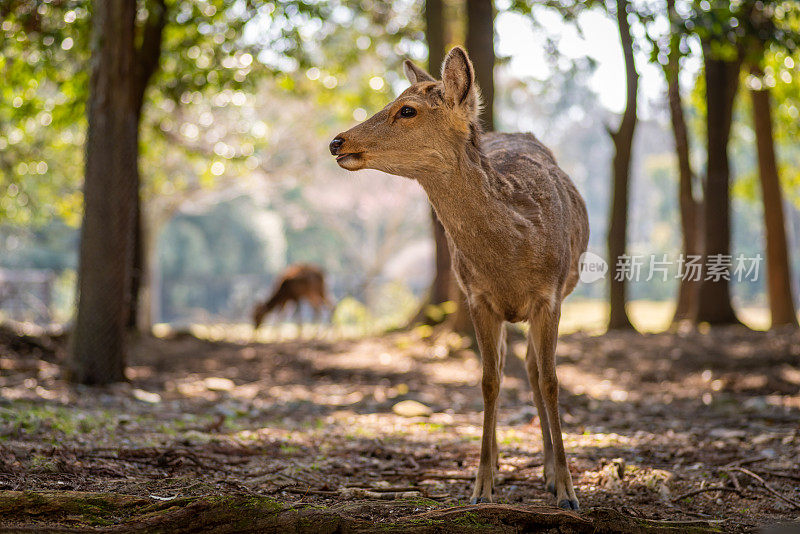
<point x="653" y="424"/>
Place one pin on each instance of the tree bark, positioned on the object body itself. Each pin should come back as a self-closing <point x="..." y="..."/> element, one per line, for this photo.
<point x="722" y="80"/>
<point x="440" y="290"/>
<point x="138" y="266"/>
<point x="222" y="514"/>
<point x="623" y="143"/>
<point x="435" y="36"/>
<point x="106" y="250"/>
<point x="147" y="59"/>
<point x="689" y="206"/>
<point x="480" y="46"/>
<point x="779" y="281"/>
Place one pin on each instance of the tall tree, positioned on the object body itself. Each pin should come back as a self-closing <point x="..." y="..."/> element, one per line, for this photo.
<point x="479" y="41"/>
<point x="765" y="31"/>
<point x="98" y="341"/>
<point x="480" y="45"/>
<point x="779" y="281"/>
<point x="722" y="81"/>
<point x="148" y="55"/>
<point x="623" y="143"/>
<point x="442" y="284"/>
<point x="689" y="206"/>
<point x="732" y="35"/>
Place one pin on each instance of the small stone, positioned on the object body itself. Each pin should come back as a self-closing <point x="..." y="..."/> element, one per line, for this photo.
<point x="761" y="439"/>
<point x="411" y="408"/>
<point x="215" y="383"/>
<point x="756" y="404"/>
<point x="727" y="433"/>
<point x="146" y="396"/>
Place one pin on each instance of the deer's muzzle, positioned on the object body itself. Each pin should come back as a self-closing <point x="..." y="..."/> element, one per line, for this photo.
<point x="335" y="145"/>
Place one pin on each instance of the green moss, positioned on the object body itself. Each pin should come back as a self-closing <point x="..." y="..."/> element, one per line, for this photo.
<point x="422" y="501"/>
<point x="470" y="518"/>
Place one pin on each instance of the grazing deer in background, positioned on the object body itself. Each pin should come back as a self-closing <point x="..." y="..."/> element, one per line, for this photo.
<point x="297" y="282"/>
<point x="516" y="227"/>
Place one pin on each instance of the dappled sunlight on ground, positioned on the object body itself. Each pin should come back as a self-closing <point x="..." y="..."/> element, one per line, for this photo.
<point x="647" y="418"/>
<point x="647" y="316"/>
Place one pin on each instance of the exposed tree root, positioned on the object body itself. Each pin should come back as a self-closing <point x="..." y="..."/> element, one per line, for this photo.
<point x="105" y="512"/>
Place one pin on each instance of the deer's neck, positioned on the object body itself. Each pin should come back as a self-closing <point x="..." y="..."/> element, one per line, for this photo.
<point x="464" y="200"/>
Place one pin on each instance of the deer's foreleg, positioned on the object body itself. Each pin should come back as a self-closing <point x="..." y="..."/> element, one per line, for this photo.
<point x="547" y="322"/>
<point x="501" y="352"/>
<point x="487" y="330"/>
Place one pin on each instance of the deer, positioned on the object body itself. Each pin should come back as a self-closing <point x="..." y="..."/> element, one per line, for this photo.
<point x="516" y="228"/>
<point x="297" y="282"/>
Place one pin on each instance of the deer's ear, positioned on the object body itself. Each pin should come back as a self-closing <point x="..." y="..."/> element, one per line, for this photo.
<point x="458" y="76"/>
<point x="416" y="74"/>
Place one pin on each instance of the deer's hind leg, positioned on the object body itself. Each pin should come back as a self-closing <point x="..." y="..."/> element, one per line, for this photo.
<point x="532" y="365"/>
<point x="546" y="322"/>
<point x="488" y="332"/>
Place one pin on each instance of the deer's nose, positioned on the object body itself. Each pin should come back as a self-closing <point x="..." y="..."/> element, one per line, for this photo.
<point x="336" y="144"/>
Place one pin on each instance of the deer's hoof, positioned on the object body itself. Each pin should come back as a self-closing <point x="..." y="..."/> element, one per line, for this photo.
<point x="568" y="504"/>
<point x="479" y="500"/>
<point x="551" y="487"/>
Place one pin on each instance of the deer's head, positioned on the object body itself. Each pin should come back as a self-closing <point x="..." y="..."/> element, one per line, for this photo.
<point x="423" y="130"/>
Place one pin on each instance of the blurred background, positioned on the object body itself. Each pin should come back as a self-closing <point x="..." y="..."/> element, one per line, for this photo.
<point x="237" y="102"/>
<point x="167" y="198"/>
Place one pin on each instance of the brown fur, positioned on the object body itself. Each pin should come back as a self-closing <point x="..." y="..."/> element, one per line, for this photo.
<point x="297" y="282"/>
<point x="516" y="226"/>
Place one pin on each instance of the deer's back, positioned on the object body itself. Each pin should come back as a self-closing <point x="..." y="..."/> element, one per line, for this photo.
<point x="543" y="200"/>
<point x="300" y="280"/>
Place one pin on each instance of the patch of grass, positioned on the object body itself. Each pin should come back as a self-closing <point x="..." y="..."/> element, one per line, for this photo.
<point x="357" y="432"/>
<point x="33" y="419"/>
<point x="42" y="463"/>
<point x="431" y="427"/>
<point x="511" y="437"/>
<point x="289" y="449"/>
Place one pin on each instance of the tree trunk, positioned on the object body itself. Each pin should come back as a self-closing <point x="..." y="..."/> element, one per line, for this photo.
<point x="222" y="514"/>
<point x="779" y="281"/>
<point x="480" y="46"/>
<point x="435" y="36"/>
<point x="147" y="59"/>
<point x="689" y="206"/>
<point x="150" y="294"/>
<point x="623" y="143"/>
<point x="106" y="250"/>
<point x="722" y="80"/>
<point x="440" y="290"/>
<point x="138" y="267"/>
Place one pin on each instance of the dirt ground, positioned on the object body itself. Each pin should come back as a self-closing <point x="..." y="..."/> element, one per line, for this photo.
<point x="651" y="423"/>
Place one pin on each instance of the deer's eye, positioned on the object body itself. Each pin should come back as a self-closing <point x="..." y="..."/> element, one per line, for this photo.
<point x="407" y="112"/>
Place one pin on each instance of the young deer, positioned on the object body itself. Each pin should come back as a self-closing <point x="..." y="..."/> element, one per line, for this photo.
<point x="516" y="226"/>
<point x="297" y="282"/>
